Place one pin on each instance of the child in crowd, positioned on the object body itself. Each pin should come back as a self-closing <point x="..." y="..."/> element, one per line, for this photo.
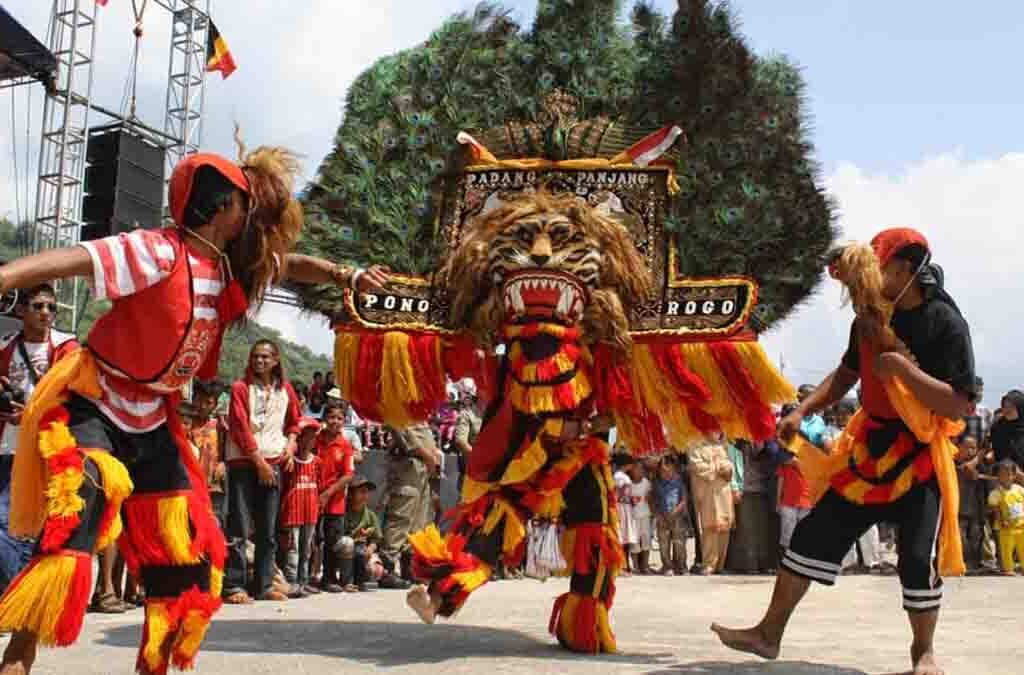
<point x="300" y="507"/>
<point x="640" y="501"/>
<point x="671" y="516"/>
<point x="793" y="497"/>
<point x="337" y="467"/>
<point x="361" y="539"/>
<point x="972" y="502"/>
<point x="447" y="416"/>
<point x="1007" y="501"/>
<point x="207" y="433"/>
<point x="624" y="506"/>
<point x="315" y="404"/>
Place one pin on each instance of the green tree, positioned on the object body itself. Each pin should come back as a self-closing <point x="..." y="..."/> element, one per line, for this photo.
<point x="14" y="239"/>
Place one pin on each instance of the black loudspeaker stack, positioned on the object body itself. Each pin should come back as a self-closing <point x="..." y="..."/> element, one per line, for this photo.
<point x="124" y="182"/>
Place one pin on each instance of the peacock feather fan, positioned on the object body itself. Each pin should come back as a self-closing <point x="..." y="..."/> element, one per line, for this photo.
<point x="749" y="201"/>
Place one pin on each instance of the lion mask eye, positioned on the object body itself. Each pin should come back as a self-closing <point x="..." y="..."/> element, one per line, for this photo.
<point x="525" y="233"/>
<point x="561" y="234"/>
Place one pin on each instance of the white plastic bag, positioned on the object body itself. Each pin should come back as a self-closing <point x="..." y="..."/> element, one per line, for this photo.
<point x="544" y="551"/>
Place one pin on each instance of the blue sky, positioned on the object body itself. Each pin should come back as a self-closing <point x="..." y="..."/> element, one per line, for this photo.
<point x="917" y="111"/>
<point x="889" y="82"/>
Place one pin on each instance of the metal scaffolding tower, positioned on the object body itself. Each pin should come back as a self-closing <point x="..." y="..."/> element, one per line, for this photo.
<point x="58" y="212"/>
<point x="185" y="77"/>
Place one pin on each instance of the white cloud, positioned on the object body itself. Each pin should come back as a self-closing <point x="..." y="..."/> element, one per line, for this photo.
<point x="296" y="60"/>
<point x="306" y="329"/>
<point x="970" y="212"/>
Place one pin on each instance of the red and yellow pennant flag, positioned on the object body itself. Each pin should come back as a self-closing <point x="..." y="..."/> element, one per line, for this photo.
<point x="218" y="56"/>
<point x="650" y="148"/>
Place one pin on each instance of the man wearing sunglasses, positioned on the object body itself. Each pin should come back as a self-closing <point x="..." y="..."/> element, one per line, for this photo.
<point x="25" y="356"/>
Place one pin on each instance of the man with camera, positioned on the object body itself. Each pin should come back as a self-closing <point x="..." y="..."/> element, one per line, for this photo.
<point x="25" y="356"/>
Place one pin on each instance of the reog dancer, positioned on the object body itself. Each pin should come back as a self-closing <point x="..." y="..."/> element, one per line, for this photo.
<point x="911" y="350"/>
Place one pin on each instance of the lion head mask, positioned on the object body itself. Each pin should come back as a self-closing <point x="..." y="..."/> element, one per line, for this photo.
<point x="550" y="258"/>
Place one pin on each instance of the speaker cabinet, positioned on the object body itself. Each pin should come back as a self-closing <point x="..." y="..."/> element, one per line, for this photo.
<point x="124" y="182"/>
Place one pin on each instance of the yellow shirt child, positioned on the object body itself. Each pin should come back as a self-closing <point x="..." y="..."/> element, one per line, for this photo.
<point x="1007" y="500"/>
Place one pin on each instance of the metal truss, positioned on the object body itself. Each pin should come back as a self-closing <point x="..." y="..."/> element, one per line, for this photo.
<point x="58" y="211"/>
<point x="185" y="77"/>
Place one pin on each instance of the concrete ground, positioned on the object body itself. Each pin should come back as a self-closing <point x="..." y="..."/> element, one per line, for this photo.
<point x="662" y="626"/>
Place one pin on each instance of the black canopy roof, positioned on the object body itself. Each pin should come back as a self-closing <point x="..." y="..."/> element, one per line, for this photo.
<point x="21" y="54"/>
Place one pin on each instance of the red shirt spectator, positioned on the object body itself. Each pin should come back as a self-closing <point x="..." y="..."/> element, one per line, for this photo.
<point x="337" y="461"/>
<point x="794" y="488"/>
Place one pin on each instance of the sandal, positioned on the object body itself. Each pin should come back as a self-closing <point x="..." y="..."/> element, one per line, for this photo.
<point x="351" y="588"/>
<point x="136" y="600"/>
<point x="239" y="598"/>
<point x="109" y="604"/>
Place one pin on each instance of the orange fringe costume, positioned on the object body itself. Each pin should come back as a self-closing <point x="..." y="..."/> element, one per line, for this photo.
<point x="520" y="468"/>
<point x="75" y="496"/>
<point x="824" y="471"/>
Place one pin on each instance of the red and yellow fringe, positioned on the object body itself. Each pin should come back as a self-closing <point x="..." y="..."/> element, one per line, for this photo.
<point x="49" y="597"/>
<point x="823" y="470"/>
<point x="453" y="573"/>
<point x="183" y="621"/>
<point x="671" y="392"/>
<point x="580" y="622"/>
<point x="668" y="391"/>
<point x="159" y="531"/>
<point x="65" y="474"/>
<point x="399" y="377"/>
<point x="65" y="465"/>
<point x="117" y="485"/>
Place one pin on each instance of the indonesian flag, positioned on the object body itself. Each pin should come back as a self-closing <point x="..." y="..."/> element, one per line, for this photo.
<point x="218" y="56"/>
<point x="101" y="3"/>
<point x="650" y="148"/>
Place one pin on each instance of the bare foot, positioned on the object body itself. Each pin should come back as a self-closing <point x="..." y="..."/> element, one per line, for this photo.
<point x="750" y="640"/>
<point x="19" y="655"/>
<point x="924" y="664"/>
<point x="420" y="602"/>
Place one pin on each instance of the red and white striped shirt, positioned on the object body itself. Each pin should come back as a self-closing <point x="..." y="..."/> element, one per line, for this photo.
<point x="300" y="498"/>
<point x="126" y="264"/>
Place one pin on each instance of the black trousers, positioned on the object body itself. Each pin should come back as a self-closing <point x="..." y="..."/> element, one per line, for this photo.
<point x="823" y="538"/>
<point x="334" y="530"/>
<point x="250" y="501"/>
<point x="353" y="569"/>
<point x="972" y="535"/>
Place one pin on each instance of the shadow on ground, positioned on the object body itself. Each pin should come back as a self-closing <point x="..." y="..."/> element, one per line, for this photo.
<point x="755" y="668"/>
<point x="384" y="644"/>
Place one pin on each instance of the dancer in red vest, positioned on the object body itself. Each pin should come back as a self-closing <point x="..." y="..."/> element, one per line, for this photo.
<point x="911" y="350"/>
<point x="102" y="425"/>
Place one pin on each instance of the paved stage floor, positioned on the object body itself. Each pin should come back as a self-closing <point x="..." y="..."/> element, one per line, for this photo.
<point x="662" y="626"/>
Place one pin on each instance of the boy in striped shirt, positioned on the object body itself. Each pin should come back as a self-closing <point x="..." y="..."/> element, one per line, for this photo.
<point x="300" y="508"/>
